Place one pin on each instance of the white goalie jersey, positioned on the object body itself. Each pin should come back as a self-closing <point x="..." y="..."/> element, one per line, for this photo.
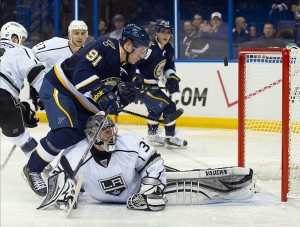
<point x="52" y="51"/>
<point x="113" y="177"/>
<point x="17" y="63"/>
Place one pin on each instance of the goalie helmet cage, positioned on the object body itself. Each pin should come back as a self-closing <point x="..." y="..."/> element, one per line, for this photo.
<point x="269" y="115"/>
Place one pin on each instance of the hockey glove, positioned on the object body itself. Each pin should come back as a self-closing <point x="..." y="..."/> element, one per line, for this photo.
<point x="104" y="97"/>
<point x="127" y="92"/>
<point x="172" y="84"/>
<point x="36" y="100"/>
<point x="138" y="82"/>
<point x="150" y="197"/>
<point x="29" y="116"/>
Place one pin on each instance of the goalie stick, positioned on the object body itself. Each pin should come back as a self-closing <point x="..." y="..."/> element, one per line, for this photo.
<point x="167" y="120"/>
<point x="8" y="157"/>
<point x="77" y="191"/>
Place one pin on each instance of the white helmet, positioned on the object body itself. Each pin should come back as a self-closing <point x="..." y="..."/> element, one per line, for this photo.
<point x="78" y="24"/>
<point x="13" y="28"/>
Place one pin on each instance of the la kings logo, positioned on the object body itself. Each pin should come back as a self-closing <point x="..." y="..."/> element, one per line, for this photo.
<point x="113" y="186"/>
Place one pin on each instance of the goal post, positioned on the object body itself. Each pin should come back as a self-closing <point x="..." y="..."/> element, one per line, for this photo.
<point x="269" y="115"/>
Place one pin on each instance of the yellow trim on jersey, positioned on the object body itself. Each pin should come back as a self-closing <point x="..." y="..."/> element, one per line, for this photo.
<point x="39" y="154"/>
<point x="86" y="82"/>
<point x="157" y="98"/>
<point x="60" y="78"/>
<point x="55" y="95"/>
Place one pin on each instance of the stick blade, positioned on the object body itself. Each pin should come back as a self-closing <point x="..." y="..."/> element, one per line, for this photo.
<point x="173" y="117"/>
<point x="77" y="191"/>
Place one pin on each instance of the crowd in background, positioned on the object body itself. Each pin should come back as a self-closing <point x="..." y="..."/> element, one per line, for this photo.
<point x="203" y="26"/>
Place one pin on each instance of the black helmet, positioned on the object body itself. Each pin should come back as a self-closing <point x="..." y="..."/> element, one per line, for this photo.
<point x="137" y="35"/>
<point x="163" y="24"/>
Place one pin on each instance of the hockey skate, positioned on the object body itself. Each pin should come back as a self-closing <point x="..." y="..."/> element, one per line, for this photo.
<point x="175" y="142"/>
<point x="35" y="181"/>
<point x="155" y="139"/>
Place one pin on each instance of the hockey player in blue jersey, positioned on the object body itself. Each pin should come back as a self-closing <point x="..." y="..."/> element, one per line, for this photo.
<point x="159" y="64"/>
<point x="96" y="77"/>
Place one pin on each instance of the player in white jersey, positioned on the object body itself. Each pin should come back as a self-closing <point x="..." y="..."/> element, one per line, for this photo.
<point x="17" y="64"/>
<point x="124" y="168"/>
<point x="57" y="49"/>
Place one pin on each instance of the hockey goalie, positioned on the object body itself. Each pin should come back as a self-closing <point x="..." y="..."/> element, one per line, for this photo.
<point x="125" y="168"/>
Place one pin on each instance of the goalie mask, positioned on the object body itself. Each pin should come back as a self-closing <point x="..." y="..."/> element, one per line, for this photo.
<point x="107" y="135"/>
<point x="13" y="28"/>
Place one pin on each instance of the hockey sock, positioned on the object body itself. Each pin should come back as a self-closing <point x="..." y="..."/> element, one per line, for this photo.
<point x="50" y="146"/>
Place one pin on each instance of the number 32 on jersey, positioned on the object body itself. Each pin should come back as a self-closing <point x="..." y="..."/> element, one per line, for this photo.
<point x="94" y="57"/>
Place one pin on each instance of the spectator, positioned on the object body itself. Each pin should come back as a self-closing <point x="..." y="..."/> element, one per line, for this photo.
<point x="102" y="28"/>
<point x="240" y="33"/>
<point x="118" y="23"/>
<point x="204" y="26"/>
<point x="188" y="31"/>
<point x="294" y="6"/>
<point x="217" y="28"/>
<point x="197" y="19"/>
<point x="252" y="34"/>
<point x="269" y="31"/>
<point x="268" y="39"/>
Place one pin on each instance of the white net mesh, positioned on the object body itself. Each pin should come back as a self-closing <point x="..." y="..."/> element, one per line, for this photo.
<point x="263" y="114"/>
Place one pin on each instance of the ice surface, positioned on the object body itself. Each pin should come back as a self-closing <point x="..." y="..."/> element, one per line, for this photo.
<point x="207" y="149"/>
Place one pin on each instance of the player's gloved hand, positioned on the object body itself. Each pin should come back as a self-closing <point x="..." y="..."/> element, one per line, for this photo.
<point x="138" y="82"/>
<point x="36" y="100"/>
<point x="150" y="197"/>
<point x="172" y="84"/>
<point x="104" y="97"/>
<point x="29" y="115"/>
<point x="127" y="92"/>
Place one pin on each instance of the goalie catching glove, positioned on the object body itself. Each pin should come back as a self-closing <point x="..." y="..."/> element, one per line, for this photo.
<point x="150" y="197"/>
<point x="172" y="84"/>
<point x="29" y="115"/>
<point x="105" y="97"/>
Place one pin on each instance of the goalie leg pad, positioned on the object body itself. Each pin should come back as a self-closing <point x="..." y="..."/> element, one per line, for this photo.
<point x="236" y="185"/>
<point x="61" y="191"/>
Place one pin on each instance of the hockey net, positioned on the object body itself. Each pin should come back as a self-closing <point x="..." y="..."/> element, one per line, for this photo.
<point x="269" y="115"/>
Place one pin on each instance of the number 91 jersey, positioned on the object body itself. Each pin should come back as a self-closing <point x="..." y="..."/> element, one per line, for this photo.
<point x="97" y="63"/>
<point x="113" y="177"/>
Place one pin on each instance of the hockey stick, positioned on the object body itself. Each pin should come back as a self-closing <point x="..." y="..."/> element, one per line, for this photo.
<point x="167" y="120"/>
<point x="8" y="157"/>
<point x="64" y="161"/>
<point x="77" y="191"/>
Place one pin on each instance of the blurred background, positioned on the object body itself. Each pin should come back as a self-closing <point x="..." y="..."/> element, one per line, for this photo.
<point x="203" y="30"/>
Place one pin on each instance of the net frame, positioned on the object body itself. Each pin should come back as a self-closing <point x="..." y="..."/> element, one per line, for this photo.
<point x="285" y="130"/>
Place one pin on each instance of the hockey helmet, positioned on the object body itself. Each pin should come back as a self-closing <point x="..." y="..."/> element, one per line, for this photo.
<point x="137" y="35"/>
<point x="163" y="24"/>
<point x="78" y="24"/>
<point x="13" y="28"/>
<point x="107" y="135"/>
